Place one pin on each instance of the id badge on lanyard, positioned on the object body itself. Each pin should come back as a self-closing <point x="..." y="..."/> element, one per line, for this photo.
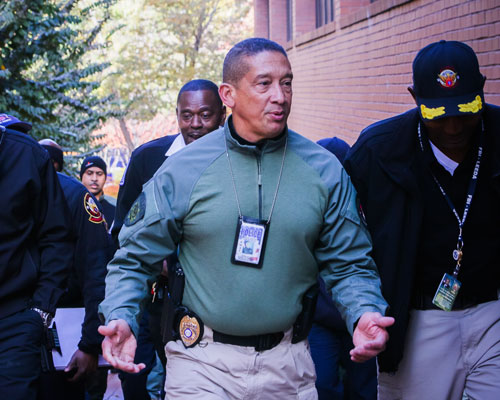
<point x="251" y="233"/>
<point x="250" y="242"/>
<point x="446" y="292"/>
<point x="448" y="288"/>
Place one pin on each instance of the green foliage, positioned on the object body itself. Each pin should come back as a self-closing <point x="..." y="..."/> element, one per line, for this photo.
<point x="48" y="73"/>
<point x="166" y="43"/>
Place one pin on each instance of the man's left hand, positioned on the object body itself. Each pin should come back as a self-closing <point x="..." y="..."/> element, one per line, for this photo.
<point x="370" y="336"/>
<point x="84" y="364"/>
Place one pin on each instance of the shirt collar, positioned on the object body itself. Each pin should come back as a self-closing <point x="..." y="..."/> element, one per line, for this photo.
<point x="176" y="145"/>
<point x="268" y="144"/>
<point x="447" y="163"/>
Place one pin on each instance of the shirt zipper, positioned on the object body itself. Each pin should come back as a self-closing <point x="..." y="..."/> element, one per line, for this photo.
<point x="259" y="184"/>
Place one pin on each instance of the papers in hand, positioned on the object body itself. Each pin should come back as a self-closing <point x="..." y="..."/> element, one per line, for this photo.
<point x="68" y="323"/>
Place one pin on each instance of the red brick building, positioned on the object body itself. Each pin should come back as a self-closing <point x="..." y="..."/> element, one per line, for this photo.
<point x="351" y="59"/>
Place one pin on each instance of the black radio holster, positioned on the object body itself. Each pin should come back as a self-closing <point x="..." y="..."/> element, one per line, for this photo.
<point x="304" y="321"/>
<point x="172" y="304"/>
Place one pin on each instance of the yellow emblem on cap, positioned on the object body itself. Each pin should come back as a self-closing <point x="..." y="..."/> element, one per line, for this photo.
<point x="430" y="113"/>
<point x="474" y="106"/>
<point x="189" y="330"/>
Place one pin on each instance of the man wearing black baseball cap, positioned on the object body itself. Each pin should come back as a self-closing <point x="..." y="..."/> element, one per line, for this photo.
<point x="93" y="174"/>
<point x="428" y="180"/>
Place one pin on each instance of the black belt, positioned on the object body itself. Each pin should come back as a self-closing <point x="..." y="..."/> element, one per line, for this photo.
<point x="422" y="301"/>
<point x="259" y="342"/>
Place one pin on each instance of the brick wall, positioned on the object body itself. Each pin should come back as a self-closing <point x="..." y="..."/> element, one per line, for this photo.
<point x="261" y="18"/>
<point x="277" y="11"/>
<point x="356" y="70"/>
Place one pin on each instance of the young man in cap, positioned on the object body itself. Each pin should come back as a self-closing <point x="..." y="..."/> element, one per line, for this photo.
<point x="35" y="255"/>
<point x="93" y="174"/>
<point x="247" y="255"/>
<point x="429" y="185"/>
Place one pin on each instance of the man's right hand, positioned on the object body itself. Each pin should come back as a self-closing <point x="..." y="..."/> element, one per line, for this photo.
<point x="119" y="345"/>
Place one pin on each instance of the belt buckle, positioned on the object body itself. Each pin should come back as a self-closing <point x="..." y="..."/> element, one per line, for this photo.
<point x="267" y="342"/>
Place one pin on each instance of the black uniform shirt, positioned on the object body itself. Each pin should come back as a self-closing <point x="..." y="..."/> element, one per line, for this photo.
<point x="480" y="272"/>
<point x="108" y="210"/>
<point x="35" y="245"/>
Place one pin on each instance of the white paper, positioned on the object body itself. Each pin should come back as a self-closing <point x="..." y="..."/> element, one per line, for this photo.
<point x="69" y="329"/>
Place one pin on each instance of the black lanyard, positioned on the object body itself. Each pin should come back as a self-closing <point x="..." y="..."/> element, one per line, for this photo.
<point x="457" y="253"/>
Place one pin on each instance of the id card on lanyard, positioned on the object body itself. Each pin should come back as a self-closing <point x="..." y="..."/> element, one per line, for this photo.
<point x="449" y="286"/>
<point x="251" y="233"/>
<point x="250" y="242"/>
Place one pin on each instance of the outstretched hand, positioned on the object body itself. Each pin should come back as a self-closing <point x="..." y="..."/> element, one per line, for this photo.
<point x="119" y="345"/>
<point x="370" y="336"/>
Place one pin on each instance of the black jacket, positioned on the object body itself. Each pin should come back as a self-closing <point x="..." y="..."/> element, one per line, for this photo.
<point x="92" y="253"/>
<point x="108" y="210"/>
<point x="35" y="245"/>
<point x="382" y="166"/>
<point x="144" y="162"/>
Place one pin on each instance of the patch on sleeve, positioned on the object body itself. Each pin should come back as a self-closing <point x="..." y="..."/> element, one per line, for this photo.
<point x="92" y="209"/>
<point x="137" y="211"/>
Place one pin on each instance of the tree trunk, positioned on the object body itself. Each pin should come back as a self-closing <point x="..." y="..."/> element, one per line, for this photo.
<point x="126" y="135"/>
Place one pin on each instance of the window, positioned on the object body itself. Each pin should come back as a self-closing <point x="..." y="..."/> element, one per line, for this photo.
<point x="289" y="20"/>
<point x="324" y="12"/>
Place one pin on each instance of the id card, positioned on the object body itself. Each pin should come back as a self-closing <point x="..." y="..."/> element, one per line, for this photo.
<point x="447" y="292"/>
<point x="250" y="242"/>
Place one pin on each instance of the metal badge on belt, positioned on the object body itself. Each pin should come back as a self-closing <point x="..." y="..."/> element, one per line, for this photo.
<point x="190" y="329"/>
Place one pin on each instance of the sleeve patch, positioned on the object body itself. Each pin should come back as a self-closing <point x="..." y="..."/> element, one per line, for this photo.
<point x="353" y="212"/>
<point x="137" y="211"/>
<point x="92" y="209"/>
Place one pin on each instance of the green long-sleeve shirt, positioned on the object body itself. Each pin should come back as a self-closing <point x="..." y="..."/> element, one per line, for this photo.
<point x="191" y="203"/>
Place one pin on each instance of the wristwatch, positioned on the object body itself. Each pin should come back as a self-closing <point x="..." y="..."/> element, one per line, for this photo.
<point x="45" y="315"/>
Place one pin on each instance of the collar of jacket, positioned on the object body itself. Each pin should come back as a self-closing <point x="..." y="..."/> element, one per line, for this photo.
<point x="263" y="146"/>
<point x="397" y="151"/>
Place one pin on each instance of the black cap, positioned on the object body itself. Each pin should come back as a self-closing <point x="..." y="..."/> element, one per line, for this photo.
<point x="93" y="161"/>
<point x="11" y="122"/>
<point x="447" y="81"/>
<point x="56" y="154"/>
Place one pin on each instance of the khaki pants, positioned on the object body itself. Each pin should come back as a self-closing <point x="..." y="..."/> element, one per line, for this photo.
<point x="447" y="354"/>
<point x="223" y="371"/>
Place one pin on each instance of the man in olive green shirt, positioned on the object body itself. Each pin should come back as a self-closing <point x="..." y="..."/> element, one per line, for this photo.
<point x="295" y="215"/>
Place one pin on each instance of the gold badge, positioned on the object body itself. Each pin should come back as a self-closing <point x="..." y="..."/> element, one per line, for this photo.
<point x="189" y="330"/>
